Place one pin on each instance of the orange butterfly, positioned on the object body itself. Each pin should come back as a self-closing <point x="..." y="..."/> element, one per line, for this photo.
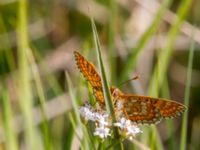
<point x="139" y="109"/>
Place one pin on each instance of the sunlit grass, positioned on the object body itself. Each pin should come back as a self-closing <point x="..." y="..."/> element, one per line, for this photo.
<point x="135" y="53"/>
<point x="42" y="99"/>
<point x="106" y="91"/>
<point x="10" y="134"/>
<point x="186" y="98"/>
<point x="164" y="59"/>
<point x="24" y="90"/>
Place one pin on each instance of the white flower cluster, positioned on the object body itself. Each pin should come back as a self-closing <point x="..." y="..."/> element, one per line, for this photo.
<point x="102" y="130"/>
<point x="104" y="123"/>
<point x="128" y="128"/>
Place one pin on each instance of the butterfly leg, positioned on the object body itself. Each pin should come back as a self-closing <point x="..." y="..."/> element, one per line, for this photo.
<point x="119" y="113"/>
<point x="124" y="112"/>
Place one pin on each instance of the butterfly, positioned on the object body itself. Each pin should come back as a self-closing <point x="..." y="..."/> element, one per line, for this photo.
<point x="138" y="109"/>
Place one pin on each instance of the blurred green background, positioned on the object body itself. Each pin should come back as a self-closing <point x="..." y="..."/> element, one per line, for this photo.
<point x="159" y="40"/>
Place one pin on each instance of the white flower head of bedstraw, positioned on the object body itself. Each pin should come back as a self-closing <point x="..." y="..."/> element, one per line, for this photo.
<point x="100" y="118"/>
<point x="102" y="132"/>
<point x="128" y="128"/>
<point x="103" y="123"/>
<point x="87" y="113"/>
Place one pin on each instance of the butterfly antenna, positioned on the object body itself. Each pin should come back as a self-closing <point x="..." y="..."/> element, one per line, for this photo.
<point x="134" y="78"/>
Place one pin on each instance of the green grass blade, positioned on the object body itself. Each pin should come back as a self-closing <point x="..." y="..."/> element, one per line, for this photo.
<point x="155" y="141"/>
<point x="161" y="67"/>
<point x="170" y="130"/>
<point x="10" y="134"/>
<point x="164" y="57"/>
<point x="68" y="138"/>
<point x="86" y="138"/>
<point x="8" y="52"/>
<point x="130" y="65"/>
<point x="183" y="141"/>
<point x="111" y="39"/>
<point x="41" y="95"/>
<point x="73" y="99"/>
<point x="51" y="79"/>
<point x="73" y="125"/>
<point x="24" y="90"/>
<point x="106" y="91"/>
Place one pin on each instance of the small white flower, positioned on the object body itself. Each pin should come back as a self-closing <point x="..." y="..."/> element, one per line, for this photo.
<point x="102" y="132"/>
<point x="102" y="119"/>
<point x="133" y="130"/>
<point x="87" y="113"/>
<point x="127" y="127"/>
<point x="103" y="124"/>
<point x="124" y="123"/>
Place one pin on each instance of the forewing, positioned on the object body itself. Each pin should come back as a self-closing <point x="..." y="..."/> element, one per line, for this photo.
<point x="90" y="73"/>
<point x="143" y="109"/>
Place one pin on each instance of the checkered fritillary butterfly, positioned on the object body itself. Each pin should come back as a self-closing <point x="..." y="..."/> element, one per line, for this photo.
<point x="139" y="109"/>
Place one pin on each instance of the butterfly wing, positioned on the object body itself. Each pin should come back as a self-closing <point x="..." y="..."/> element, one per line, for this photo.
<point x="143" y="109"/>
<point x="90" y="73"/>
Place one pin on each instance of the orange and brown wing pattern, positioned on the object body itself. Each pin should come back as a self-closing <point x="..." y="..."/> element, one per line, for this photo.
<point x="168" y="108"/>
<point x="142" y="109"/>
<point x="90" y="73"/>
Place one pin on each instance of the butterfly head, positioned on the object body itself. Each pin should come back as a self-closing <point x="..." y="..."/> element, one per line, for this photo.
<point x="115" y="92"/>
